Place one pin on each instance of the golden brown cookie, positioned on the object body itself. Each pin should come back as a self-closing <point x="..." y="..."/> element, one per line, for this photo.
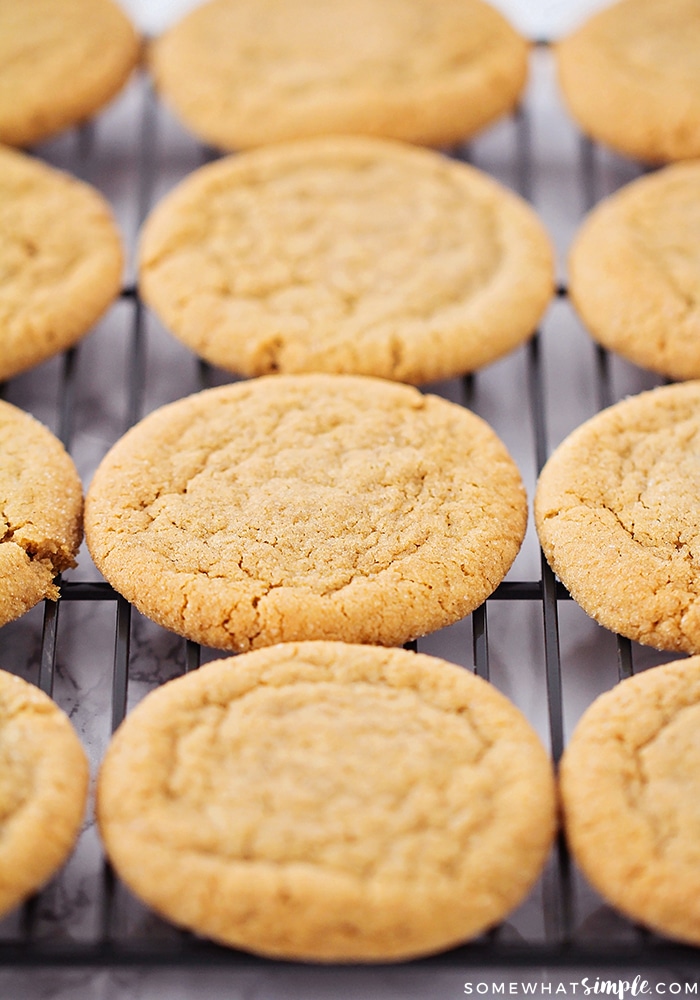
<point x="244" y="73"/>
<point x="616" y="510"/>
<point x="43" y="789"/>
<point x="41" y="505"/>
<point x="60" y="62"/>
<point x="326" y="802"/>
<point x="630" y="784"/>
<point x="346" y="255"/>
<point x="635" y="271"/>
<point x="306" y="507"/>
<point x="61" y="261"/>
<point x="630" y="76"/>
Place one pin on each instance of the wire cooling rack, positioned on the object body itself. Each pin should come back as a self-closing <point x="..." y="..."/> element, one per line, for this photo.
<point x="97" y="656"/>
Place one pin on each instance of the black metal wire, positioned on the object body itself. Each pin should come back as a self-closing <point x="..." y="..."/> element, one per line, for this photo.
<point x="120" y="674"/>
<point x="560" y="946"/>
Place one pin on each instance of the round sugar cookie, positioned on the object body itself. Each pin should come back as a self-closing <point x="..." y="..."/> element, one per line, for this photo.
<point x="634" y="271"/>
<point x="244" y="73"/>
<point x="60" y="62"/>
<point x="630" y="790"/>
<point x="61" y="261"/>
<point x="43" y="789"/>
<point x="616" y="510"/>
<point x="328" y="802"/>
<point x="630" y="76"/>
<point x="41" y="505"/>
<point x="306" y="507"/>
<point x="348" y="255"/>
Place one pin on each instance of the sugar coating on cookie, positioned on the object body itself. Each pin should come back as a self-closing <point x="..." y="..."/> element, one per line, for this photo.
<point x="346" y="255"/>
<point x="630" y="76"/>
<point x="634" y="271"/>
<point x="306" y="507"/>
<point x="60" y="62"/>
<point x="630" y="792"/>
<point x="244" y="73"/>
<point x="616" y="510"/>
<point x="61" y="259"/>
<point x="43" y="789"/>
<point x="325" y="801"/>
<point x="41" y="507"/>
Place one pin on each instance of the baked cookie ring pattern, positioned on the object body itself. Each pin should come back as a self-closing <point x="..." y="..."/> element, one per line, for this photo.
<point x="41" y="509"/>
<point x="630" y="76"/>
<point x="60" y="63"/>
<point x="307" y="506"/>
<point x="351" y="255"/>
<point x="244" y="73"/>
<point x="325" y="802"/>
<point x="61" y="259"/>
<point x="616" y="510"/>
<point x="629" y="785"/>
<point x="634" y="271"/>
<point x="43" y="789"/>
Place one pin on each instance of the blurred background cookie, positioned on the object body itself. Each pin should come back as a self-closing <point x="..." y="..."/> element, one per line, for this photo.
<point x="634" y="271"/>
<point x="61" y="260"/>
<point x="630" y="76"/>
<point x="242" y="73"/>
<point x="60" y="62"/>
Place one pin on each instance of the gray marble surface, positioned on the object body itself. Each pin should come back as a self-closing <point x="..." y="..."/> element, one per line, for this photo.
<point x="111" y="156"/>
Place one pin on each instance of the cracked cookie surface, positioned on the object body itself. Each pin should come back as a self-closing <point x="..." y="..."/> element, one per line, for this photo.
<point x="41" y="507"/>
<point x="243" y="73"/>
<point x="306" y="506"/>
<point x="326" y="801"/>
<point x="59" y="64"/>
<point x="630" y="76"/>
<point x="616" y="510"/>
<point x="43" y="789"/>
<point x="61" y="261"/>
<point x="630" y="792"/>
<point x="346" y="255"/>
<point x="635" y="272"/>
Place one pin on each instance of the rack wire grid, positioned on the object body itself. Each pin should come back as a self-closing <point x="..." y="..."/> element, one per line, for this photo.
<point x="97" y="656"/>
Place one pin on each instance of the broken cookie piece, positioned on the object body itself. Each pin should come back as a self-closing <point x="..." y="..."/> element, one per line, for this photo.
<point x="41" y="507"/>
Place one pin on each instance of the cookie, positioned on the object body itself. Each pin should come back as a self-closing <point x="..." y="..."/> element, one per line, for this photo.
<point x="630" y="76"/>
<point x="630" y="792"/>
<point x="362" y="256"/>
<point x="616" y="511"/>
<point x="59" y="64"/>
<point x="635" y="272"/>
<point x="306" y="507"/>
<point x="324" y="801"/>
<point x="42" y="505"/>
<point x="244" y="73"/>
<point x="43" y="789"/>
<point x="61" y="260"/>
